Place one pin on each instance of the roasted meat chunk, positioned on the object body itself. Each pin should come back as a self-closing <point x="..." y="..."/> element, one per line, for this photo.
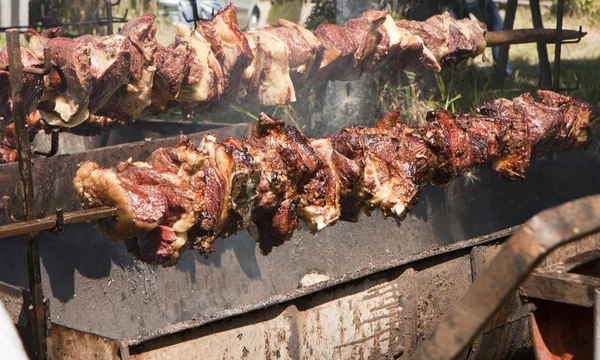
<point x="187" y="197"/>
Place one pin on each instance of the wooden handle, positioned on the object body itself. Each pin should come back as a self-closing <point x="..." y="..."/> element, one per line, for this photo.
<point x="524" y="36"/>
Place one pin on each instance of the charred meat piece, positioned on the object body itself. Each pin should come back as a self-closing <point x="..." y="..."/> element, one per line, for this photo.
<point x="419" y="158"/>
<point x="33" y="85"/>
<point x="7" y="153"/>
<point x="365" y="31"/>
<point x="109" y="67"/>
<point x="288" y="161"/>
<point x="150" y="205"/>
<point x="266" y="81"/>
<point x="340" y="46"/>
<point x="65" y="105"/>
<point x="203" y="80"/>
<point x="140" y="209"/>
<point x="449" y="40"/>
<point x="118" y="77"/>
<point x="132" y="98"/>
<point x="320" y="195"/>
<point x="304" y="48"/>
<point x="386" y="178"/>
<point x="515" y="142"/>
<point x="229" y="45"/>
<point x="168" y="77"/>
<point x="577" y="131"/>
<point x="273" y="228"/>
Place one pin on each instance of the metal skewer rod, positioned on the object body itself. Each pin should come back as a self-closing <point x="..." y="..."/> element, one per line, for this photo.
<point x="37" y="315"/>
<point x="53" y="222"/>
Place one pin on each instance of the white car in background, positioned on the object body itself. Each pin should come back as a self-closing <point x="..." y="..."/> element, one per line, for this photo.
<point x="248" y="13"/>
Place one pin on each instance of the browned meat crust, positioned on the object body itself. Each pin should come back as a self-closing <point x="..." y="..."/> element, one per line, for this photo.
<point x="184" y="197"/>
<point x="120" y="76"/>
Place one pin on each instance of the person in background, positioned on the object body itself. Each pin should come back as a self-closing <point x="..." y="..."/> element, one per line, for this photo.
<point x="485" y="11"/>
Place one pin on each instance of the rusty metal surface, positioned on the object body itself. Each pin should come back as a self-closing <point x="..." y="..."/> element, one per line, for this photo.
<point x="378" y="316"/>
<point x="507" y="334"/>
<point x="561" y="283"/>
<point x="56" y="222"/>
<point x="16" y="302"/>
<point x="514" y="262"/>
<point x="38" y="310"/>
<point x="69" y="344"/>
<point x="562" y="331"/>
<point x="357" y="320"/>
<point x="508" y="342"/>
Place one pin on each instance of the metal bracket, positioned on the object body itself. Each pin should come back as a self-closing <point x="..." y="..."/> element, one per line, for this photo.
<point x="575" y="41"/>
<point x="573" y="88"/>
<point x="60" y="222"/>
<point x="558" y="47"/>
<point x="54" y="141"/>
<point x="47" y="65"/>
<point x="8" y="208"/>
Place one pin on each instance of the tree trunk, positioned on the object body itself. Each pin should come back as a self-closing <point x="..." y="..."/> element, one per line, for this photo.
<point x="349" y="102"/>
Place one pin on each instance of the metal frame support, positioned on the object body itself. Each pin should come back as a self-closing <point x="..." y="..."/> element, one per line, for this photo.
<point x="560" y="8"/>
<point x="545" y="80"/>
<point x="524" y="250"/>
<point x="597" y="324"/>
<point x="509" y="20"/>
<point x="38" y="302"/>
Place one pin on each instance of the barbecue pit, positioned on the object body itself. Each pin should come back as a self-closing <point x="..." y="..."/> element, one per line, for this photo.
<point x="103" y="302"/>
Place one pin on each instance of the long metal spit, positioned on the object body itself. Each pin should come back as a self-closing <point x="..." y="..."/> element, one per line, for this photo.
<point x="428" y="229"/>
<point x="38" y="313"/>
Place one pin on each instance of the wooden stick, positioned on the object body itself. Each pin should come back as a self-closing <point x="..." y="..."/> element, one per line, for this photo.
<point x="524" y="36"/>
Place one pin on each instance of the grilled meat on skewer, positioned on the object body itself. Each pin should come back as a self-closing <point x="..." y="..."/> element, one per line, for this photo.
<point x="184" y="197"/>
<point x="120" y="76"/>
